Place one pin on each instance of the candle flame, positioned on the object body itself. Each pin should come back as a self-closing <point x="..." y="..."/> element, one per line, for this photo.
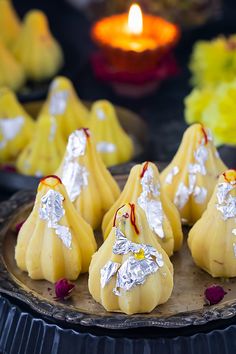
<point x="135" y="20"/>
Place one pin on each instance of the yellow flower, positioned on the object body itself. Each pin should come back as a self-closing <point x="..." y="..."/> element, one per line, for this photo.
<point x="195" y="103"/>
<point x="213" y="62"/>
<point x="215" y="109"/>
<point x="220" y="114"/>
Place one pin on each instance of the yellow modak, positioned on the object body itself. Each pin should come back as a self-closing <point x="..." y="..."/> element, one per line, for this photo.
<point x="12" y="73"/>
<point x="54" y="242"/>
<point x="16" y="126"/>
<point x="143" y="188"/>
<point x="36" y="49"/>
<point x="9" y="23"/>
<point x="212" y="240"/>
<point x="130" y="273"/>
<point x="89" y="184"/>
<point x="63" y="103"/>
<point x="190" y="178"/>
<point x="43" y="154"/>
<point x="113" y="143"/>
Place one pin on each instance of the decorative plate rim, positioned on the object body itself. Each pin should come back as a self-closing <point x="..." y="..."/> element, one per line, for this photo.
<point x="71" y="316"/>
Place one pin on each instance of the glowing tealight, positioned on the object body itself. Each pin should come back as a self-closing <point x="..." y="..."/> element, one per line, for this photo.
<point x="135" y="20"/>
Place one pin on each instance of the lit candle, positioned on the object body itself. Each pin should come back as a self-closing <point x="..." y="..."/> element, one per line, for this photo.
<point x="134" y="34"/>
<point x="135" y="20"/>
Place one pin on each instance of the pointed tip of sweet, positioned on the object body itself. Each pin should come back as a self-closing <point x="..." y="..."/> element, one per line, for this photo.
<point x="51" y="181"/>
<point x="126" y="211"/>
<point x="77" y="142"/>
<point x="144" y="168"/>
<point x="200" y="130"/>
<point x="86" y="132"/>
<point x="36" y="18"/>
<point x="103" y="109"/>
<point x="140" y="169"/>
<point x="61" y="82"/>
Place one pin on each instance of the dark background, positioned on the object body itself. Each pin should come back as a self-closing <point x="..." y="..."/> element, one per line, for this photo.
<point x="163" y="111"/>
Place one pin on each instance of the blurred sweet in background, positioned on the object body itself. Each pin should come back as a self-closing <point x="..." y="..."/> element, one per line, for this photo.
<point x="28" y="50"/>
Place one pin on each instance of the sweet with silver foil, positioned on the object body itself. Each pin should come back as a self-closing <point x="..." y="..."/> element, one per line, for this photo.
<point x="114" y="145"/>
<point x="131" y="272"/>
<point x="51" y="210"/>
<point x="171" y="174"/>
<point x="143" y="188"/>
<point x="74" y="175"/>
<point x="9" y="128"/>
<point x="190" y="178"/>
<point x="199" y="193"/>
<point x="226" y="202"/>
<point x="104" y="146"/>
<point x="143" y="261"/>
<point x="58" y="102"/>
<point x="90" y="186"/>
<point x="60" y="244"/>
<point x="212" y="238"/>
<point x="151" y="206"/>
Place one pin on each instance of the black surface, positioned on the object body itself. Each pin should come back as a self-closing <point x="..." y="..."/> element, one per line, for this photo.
<point x="23" y="333"/>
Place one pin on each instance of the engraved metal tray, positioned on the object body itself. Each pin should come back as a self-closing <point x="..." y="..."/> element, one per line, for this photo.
<point x="186" y="307"/>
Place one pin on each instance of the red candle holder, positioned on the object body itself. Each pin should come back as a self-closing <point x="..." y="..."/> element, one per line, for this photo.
<point x="133" y="84"/>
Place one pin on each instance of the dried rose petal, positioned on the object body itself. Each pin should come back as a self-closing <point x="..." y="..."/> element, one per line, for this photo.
<point x="9" y="168"/>
<point x="63" y="289"/>
<point x="19" y="226"/>
<point x="214" y="294"/>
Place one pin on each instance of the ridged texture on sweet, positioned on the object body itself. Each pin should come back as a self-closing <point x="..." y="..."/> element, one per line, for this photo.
<point x="9" y="23"/>
<point x="39" y="53"/>
<point x="212" y="239"/>
<point x="113" y="143"/>
<point x="157" y="287"/>
<point x="12" y="73"/>
<point x="100" y="190"/>
<point x="44" y="152"/>
<point x="40" y="252"/>
<point x="190" y="178"/>
<point x="63" y="102"/>
<point x="16" y="126"/>
<point x="171" y="219"/>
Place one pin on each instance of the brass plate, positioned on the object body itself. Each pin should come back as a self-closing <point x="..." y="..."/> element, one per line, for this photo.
<point x="184" y="308"/>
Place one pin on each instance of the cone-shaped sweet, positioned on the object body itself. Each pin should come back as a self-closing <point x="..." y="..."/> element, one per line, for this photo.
<point x="143" y="188"/>
<point x="89" y="184"/>
<point x="44" y="152"/>
<point x="9" y="23"/>
<point x="130" y="273"/>
<point x="190" y="178"/>
<point x="36" y="49"/>
<point x="16" y="126"/>
<point x="11" y="71"/>
<point x="64" y="103"/>
<point x="113" y="143"/>
<point x="212" y="240"/>
<point x="54" y="242"/>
